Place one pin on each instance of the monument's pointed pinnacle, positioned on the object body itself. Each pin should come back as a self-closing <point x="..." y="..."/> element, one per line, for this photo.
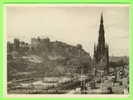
<point x="101" y="17"/>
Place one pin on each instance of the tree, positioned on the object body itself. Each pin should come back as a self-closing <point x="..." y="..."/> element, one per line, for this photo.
<point x="9" y="46"/>
<point x="16" y="44"/>
<point x="79" y="46"/>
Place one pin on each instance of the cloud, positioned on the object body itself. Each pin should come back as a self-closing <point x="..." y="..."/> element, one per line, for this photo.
<point x="70" y="24"/>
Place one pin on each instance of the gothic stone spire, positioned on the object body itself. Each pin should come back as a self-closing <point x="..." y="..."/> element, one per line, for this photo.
<point x="101" y="38"/>
<point x="101" y="53"/>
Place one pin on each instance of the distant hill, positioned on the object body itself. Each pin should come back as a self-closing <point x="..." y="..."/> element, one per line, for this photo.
<point x="118" y="60"/>
<point x="54" y="59"/>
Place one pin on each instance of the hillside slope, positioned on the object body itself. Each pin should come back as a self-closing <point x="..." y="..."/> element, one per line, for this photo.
<point x="55" y="59"/>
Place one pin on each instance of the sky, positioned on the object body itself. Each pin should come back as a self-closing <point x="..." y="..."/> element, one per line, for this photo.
<point x="72" y="24"/>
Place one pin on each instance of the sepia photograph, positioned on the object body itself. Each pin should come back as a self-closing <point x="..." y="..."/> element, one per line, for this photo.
<point x="66" y="49"/>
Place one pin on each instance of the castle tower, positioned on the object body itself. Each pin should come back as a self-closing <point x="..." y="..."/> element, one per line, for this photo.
<point x="101" y="56"/>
